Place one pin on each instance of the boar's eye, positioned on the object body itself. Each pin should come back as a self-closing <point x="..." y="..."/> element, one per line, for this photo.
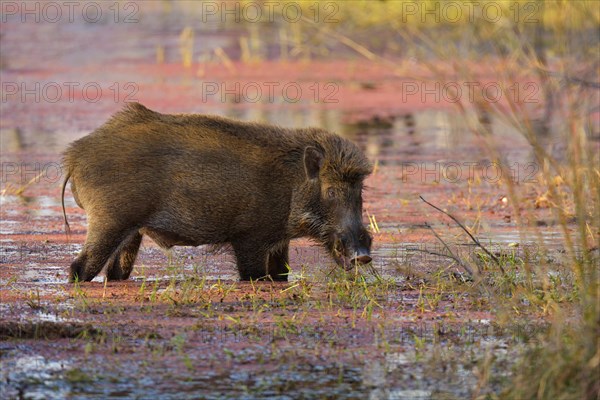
<point x="330" y="193"/>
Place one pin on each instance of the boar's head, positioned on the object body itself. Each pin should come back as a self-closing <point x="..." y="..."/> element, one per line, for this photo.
<point x="330" y="200"/>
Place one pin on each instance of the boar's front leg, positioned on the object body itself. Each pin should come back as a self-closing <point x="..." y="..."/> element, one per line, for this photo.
<point x="122" y="264"/>
<point x="278" y="263"/>
<point x="251" y="259"/>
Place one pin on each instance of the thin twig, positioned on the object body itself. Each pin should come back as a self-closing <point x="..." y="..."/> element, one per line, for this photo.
<point x="473" y="238"/>
<point x="463" y="265"/>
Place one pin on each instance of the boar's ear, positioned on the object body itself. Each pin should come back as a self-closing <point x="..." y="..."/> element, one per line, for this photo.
<point x="313" y="161"/>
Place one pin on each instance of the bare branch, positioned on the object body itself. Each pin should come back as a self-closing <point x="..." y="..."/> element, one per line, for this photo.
<point x="474" y="239"/>
<point x="453" y="256"/>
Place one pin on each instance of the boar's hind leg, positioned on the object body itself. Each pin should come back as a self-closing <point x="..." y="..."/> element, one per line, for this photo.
<point x="278" y="263"/>
<point x="101" y="245"/>
<point x="122" y="264"/>
<point x="77" y="266"/>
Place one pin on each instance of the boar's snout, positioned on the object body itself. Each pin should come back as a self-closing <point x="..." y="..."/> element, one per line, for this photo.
<point x="363" y="256"/>
<point x="352" y="247"/>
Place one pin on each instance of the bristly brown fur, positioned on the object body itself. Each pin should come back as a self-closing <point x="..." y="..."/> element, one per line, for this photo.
<point x="345" y="161"/>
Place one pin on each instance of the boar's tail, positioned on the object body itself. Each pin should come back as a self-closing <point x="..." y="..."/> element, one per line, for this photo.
<point x="64" y="185"/>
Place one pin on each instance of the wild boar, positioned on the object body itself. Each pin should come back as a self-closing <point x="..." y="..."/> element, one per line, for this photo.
<point x="188" y="180"/>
